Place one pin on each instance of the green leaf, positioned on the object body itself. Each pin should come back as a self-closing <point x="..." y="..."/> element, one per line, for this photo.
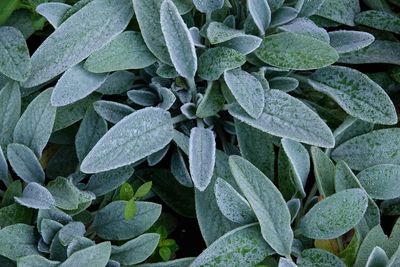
<point x="36" y="260"/>
<point x="349" y="254"/>
<point x="218" y="33"/>
<point x="165" y="253"/>
<point x="349" y="41"/>
<point x="148" y="16"/>
<point x="14" y="189"/>
<point x="283" y="15"/>
<point x="247" y="91"/>
<point x="205" y="6"/>
<point x="10" y="110"/>
<point x="212" y="102"/>
<point x="286" y="116"/>
<point x="153" y="131"/>
<point x="93" y="256"/>
<point x="310" y="7"/>
<point x="126" y="51"/>
<point x="178" y="40"/>
<point x="77" y="244"/>
<point x="36" y="196"/>
<point x="117" y="83"/>
<point x="261" y="14"/>
<point x="174" y="263"/>
<point x="144" y="189"/>
<point x="112" y="111"/>
<point x="49" y="229"/>
<point x="341" y="11"/>
<point x="245" y="44"/>
<point x="285" y="84"/>
<point x="201" y="156"/>
<point x="381" y="181"/>
<point x="319" y="257"/>
<point x="14" y="214"/>
<point x="53" y="12"/>
<point x="135" y="250"/>
<point x="36" y="123"/>
<point x="295" y="51"/>
<point x="225" y="252"/>
<point x="275" y="4"/>
<point x="14" y="54"/>
<point x="71" y="231"/>
<point x="357" y="94"/>
<point x="306" y="27"/>
<point x="130" y="209"/>
<point x="25" y="164"/>
<point x="126" y="192"/>
<point x="377" y="258"/>
<point x="267" y="203"/>
<point x="335" y="215"/>
<point x="7" y="8"/>
<point x="379" y="20"/>
<point x="75" y="84"/>
<point x="110" y="223"/>
<point x="17" y="241"/>
<point x="374" y="148"/>
<point x="395" y="259"/>
<point x="214" y="61"/>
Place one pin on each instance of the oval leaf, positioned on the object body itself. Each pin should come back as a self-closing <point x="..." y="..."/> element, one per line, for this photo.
<point x="205" y="6"/>
<point x="349" y="41"/>
<point x="36" y="196"/>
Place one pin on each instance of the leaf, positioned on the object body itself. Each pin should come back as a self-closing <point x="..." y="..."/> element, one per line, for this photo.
<point x="205" y="6"/>
<point x="247" y="91"/>
<point x="267" y="203"/>
<point x="34" y="127"/>
<point x="112" y="111"/>
<point x="232" y="205"/>
<point x="93" y="256"/>
<point x="367" y="150"/>
<point x="17" y="241"/>
<point x="379" y="20"/>
<point x="103" y="182"/>
<point x="306" y="27"/>
<point x="110" y="224"/>
<point x="178" y="40"/>
<point x="126" y="51"/>
<point x="117" y="83"/>
<point x="14" y="54"/>
<point x="283" y="15"/>
<point x="341" y="11"/>
<point x="224" y="251"/>
<point x="295" y="51"/>
<point x="377" y="258"/>
<point x="135" y="250"/>
<point x="261" y="14"/>
<point x="102" y="20"/>
<point x="10" y="109"/>
<point x="201" y="156"/>
<point x="218" y="33"/>
<point x="13" y="189"/>
<point x="395" y="259"/>
<point x="36" y="196"/>
<point x="91" y="129"/>
<point x="49" y="229"/>
<point x="212" y="102"/>
<point x="275" y="4"/>
<point x="25" y="164"/>
<point x="130" y="209"/>
<point x="357" y="94"/>
<point x="148" y="16"/>
<point x="286" y="116"/>
<point x="71" y="231"/>
<point x="179" y="169"/>
<point x="335" y="215"/>
<point x="245" y="44"/>
<point x="65" y="193"/>
<point x="214" y="61"/>
<point x="310" y="7"/>
<point x="152" y="131"/>
<point x="53" y="12"/>
<point x="144" y="189"/>
<point x="381" y="181"/>
<point x="36" y="260"/>
<point x="349" y="41"/>
<point x="319" y="257"/>
<point x="285" y="84"/>
<point x="14" y="214"/>
<point x="300" y="163"/>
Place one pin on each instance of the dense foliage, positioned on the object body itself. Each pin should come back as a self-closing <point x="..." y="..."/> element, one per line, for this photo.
<point x="269" y="125"/>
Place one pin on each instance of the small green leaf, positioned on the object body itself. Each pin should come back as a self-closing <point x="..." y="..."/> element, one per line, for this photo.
<point x="143" y="190"/>
<point x="126" y="192"/>
<point x="130" y="209"/>
<point x="165" y="253"/>
<point x="212" y="102"/>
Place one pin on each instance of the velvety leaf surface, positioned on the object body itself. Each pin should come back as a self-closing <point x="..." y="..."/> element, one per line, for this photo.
<point x="36" y="196"/>
<point x="10" y="109"/>
<point x="53" y="12"/>
<point x="17" y="241"/>
<point x="261" y="14"/>
<point x="341" y="11"/>
<point x="379" y="20"/>
<point x="208" y="5"/>
<point x="93" y="256"/>
<point x="319" y="257"/>
<point x="348" y="41"/>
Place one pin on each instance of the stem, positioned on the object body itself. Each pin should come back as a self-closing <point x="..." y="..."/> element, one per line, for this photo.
<point x="192" y="88"/>
<point x="179" y="118"/>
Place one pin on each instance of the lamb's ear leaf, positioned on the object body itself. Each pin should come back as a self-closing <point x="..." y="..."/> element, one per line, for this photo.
<point x="275" y="4"/>
<point x="36" y="260"/>
<point x="283" y="262"/>
<point x="310" y="7"/>
<point x="322" y="221"/>
<point x="112" y="111"/>
<point x="97" y="255"/>
<point x="377" y="258"/>
<point x="154" y="130"/>
<point x="341" y="11"/>
<point x="224" y="250"/>
<point x="310" y="257"/>
<point x="53" y="12"/>
<point x="36" y="196"/>
<point x="306" y="27"/>
<point x="10" y="110"/>
<point x="395" y="259"/>
<point x="379" y="20"/>
<point x="17" y="241"/>
<point x="218" y="32"/>
<point x="349" y="41"/>
<point x="245" y="44"/>
<point x="261" y="14"/>
<point x="324" y="172"/>
<point x="205" y="6"/>
<point x="34" y="127"/>
<point x="268" y="207"/>
<point x="201" y="156"/>
<point x="106" y="19"/>
<point x="15" y="62"/>
<point x="295" y="51"/>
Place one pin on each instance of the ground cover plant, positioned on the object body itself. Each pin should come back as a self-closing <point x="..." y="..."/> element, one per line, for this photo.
<point x="199" y="133"/>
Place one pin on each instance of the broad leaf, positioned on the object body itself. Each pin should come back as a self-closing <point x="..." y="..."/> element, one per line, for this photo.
<point x="379" y="20"/>
<point x="341" y="11"/>
<point x="36" y="196"/>
<point x="306" y="27"/>
<point x="93" y="256"/>
<point x="349" y="41"/>
<point x="245" y="44"/>
<point x="117" y="83"/>
<point x="377" y="258"/>
<point x="205" y="6"/>
<point x="319" y="257"/>
<point x="310" y="7"/>
<point x="17" y="241"/>
<point x="14" y="214"/>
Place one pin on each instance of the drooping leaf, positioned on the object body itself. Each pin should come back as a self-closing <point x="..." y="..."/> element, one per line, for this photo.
<point x="112" y="111"/>
<point x="93" y="256"/>
<point x="261" y="13"/>
<point x="10" y="109"/>
<point x="36" y="196"/>
<point x="319" y="257"/>
<point x="121" y="145"/>
<point x="349" y="41"/>
<point x="205" y="6"/>
<point x="379" y="20"/>
<point x="17" y="241"/>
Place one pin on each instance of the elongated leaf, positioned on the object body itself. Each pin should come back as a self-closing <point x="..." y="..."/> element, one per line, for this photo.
<point x="3" y="168"/>
<point x="295" y="51"/>
<point x="335" y="215"/>
<point x="75" y="84"/>
<point x="136" y="250"/>
<point x="244" y="44"/>
<point x="357" y="94"/>
<point x="218" y="33"/>
<point x="36" y="123"/>
<point x="212" y="102"/>
<point x="53" y="12"/>
<point x="306" y="27"/>
<point x="381" y="181"/>
<point x="270" y="208"/>
<point x="205" y="6"/>
<point x="36" y="196"/>
<point x="112" y="111"/>
<point x="14" y="55"/>
<point x="377" y="258"/>
<point x="102" y="20"/>
<point x="179" y="169"/>
<point x="173" y="263"/>
<point x="247" y="91"/>
<point x="224" y="251"/>
<point x="377" y="147"/>
<point x="285" y="116"/>
<point x="285" y="84"/>
<point x="313" y="257"/>
<point x="93" y="256"/>
<point x="275" y="4"/>
<point x="117" y="83"/>
<point x="324" y="172"/>
<point x="379" y="20"/>
<point x="341" y="11"/>
<point x="215" y="61"/>
<point x="25" y="164"/>
<point x="17" y="241"/>
<point x="201" y="156"/>
<point x="283" y="15"/>
<point x="133" y="138"/>
<point x="110" y="223"/>
<point x="261" y="14"/>
<point x="125" y="51"/>
<point x="349" y="41"/>
<point x="178" y="40"/>
<point x="10" y="109"/>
